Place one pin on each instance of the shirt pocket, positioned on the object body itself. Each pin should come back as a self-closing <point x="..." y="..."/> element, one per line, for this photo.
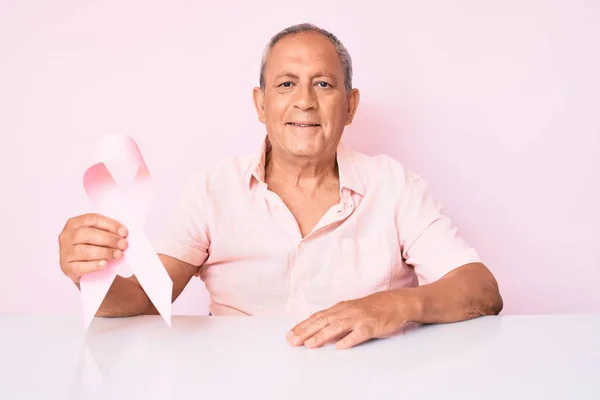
<point x="362" y="267"/>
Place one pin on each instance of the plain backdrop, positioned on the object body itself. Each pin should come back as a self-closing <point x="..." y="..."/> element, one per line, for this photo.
<point x="496" y="104"/>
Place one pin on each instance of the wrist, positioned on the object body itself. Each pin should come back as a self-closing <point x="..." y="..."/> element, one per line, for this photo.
<point x="410" y="304"/>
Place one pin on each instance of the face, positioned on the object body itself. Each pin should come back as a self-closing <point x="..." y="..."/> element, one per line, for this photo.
<point x="305" y="106"/>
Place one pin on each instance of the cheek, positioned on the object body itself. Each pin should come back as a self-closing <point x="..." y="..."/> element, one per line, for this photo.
<point x="335" y="117"/>
<point x="334" y="108"/>
<point x="275" y="109"/>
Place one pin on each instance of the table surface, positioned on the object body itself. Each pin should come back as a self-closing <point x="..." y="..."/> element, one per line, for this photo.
<point x="525" y="357"/>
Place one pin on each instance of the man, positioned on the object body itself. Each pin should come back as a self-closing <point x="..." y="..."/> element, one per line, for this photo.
<point x="353" y="245"/>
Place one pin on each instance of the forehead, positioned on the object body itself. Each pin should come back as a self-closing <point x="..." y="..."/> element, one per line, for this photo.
<point x="309" y="52"/>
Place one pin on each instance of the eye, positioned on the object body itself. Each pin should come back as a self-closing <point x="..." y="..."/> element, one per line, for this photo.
<point x="287" y="84"/>
<point x="324" y="84"/>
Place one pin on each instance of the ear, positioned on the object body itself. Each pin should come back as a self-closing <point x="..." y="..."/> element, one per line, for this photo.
<point x="353" y="100"/>
<point x="259" y="103"/>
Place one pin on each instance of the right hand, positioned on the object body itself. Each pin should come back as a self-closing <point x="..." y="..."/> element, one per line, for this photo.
<point x="88" y="242"/>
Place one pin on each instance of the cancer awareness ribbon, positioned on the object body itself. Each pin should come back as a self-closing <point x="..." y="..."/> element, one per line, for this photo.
<point x="129" y="204"/>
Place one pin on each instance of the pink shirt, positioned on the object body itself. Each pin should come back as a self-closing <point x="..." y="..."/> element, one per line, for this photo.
<point x="386" y="233"/>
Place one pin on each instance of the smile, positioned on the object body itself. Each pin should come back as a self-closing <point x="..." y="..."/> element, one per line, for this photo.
<point x="302" y="125"/>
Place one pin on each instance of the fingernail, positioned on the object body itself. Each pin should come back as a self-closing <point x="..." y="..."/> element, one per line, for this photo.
<point x="122" y="231"/>
<point x="102" y="263"/>
<point x="122" y="244"/>
<point x="117" y="253"/>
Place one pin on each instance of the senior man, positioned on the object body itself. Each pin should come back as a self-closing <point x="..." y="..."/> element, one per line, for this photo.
<point x="352" y="245"/>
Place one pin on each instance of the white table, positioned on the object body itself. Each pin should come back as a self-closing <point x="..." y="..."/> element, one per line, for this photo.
<point x="509" y="357"/>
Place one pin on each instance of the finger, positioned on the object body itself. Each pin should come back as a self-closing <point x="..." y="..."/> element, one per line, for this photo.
<point x="86" y="252"/>
<point x="335" y="330"/>
<point x="310" y="326"/>
<point x="100" y="222"/>
<point x="97" y="237"/>
<point x="80" y="268"/>
<point x="360" y="334"/>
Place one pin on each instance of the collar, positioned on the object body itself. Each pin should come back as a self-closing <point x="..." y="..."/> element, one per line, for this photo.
<point x="348" y="173"/>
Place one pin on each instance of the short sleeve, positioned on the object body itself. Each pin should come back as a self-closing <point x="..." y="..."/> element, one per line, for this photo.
<point x="185" y="235"/>
<point x="429" y="241"/>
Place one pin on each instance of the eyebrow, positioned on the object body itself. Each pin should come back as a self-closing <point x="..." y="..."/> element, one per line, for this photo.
<point x="319" y="74"/>
<point x="287" y="75"/>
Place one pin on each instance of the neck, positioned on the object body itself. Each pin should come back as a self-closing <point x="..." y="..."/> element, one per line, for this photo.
<point x="308" y="174"/>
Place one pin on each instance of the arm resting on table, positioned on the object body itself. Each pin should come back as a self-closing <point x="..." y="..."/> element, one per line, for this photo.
<point x="467" y="292"/>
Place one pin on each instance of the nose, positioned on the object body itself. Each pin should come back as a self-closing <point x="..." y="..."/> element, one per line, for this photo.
<point x="305" y="98"/>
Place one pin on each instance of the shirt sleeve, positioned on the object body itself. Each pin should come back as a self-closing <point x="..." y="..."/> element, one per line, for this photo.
<point x="185" y="236"/>
<point x="430" y="243"/>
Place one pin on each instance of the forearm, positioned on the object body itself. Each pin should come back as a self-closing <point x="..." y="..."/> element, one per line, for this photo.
<point x="465" y="293"/>
<point x="125" y="298"/>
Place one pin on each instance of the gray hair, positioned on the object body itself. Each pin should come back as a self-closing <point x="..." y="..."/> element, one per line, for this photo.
<point x="300" y="28"/>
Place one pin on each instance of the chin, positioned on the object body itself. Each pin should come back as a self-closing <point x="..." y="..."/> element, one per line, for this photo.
<point x="303" y="151"/>
<point x="305" y="147"/>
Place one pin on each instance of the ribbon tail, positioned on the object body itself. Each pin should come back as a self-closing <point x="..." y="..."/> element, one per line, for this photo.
<point x="94" y="287"/>
<point x="150" y="272"/>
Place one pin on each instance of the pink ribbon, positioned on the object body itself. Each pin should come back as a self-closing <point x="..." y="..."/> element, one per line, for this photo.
<point x="129" y="204"/>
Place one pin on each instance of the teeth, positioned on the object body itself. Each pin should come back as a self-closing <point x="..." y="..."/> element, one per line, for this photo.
<point x="304" y="125"/>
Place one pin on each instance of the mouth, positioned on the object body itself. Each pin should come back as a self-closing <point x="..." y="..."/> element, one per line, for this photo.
<point x="302" y="124"/>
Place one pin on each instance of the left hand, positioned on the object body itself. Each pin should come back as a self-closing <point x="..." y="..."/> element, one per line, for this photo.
<point x="355" y="321"/>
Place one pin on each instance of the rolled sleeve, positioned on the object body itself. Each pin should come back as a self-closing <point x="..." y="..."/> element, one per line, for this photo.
<point x="185" y="236"/>
<point x="429" y="241"/>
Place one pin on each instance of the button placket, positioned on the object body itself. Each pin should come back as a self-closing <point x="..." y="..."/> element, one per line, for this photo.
<point x="293" y="294"/>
